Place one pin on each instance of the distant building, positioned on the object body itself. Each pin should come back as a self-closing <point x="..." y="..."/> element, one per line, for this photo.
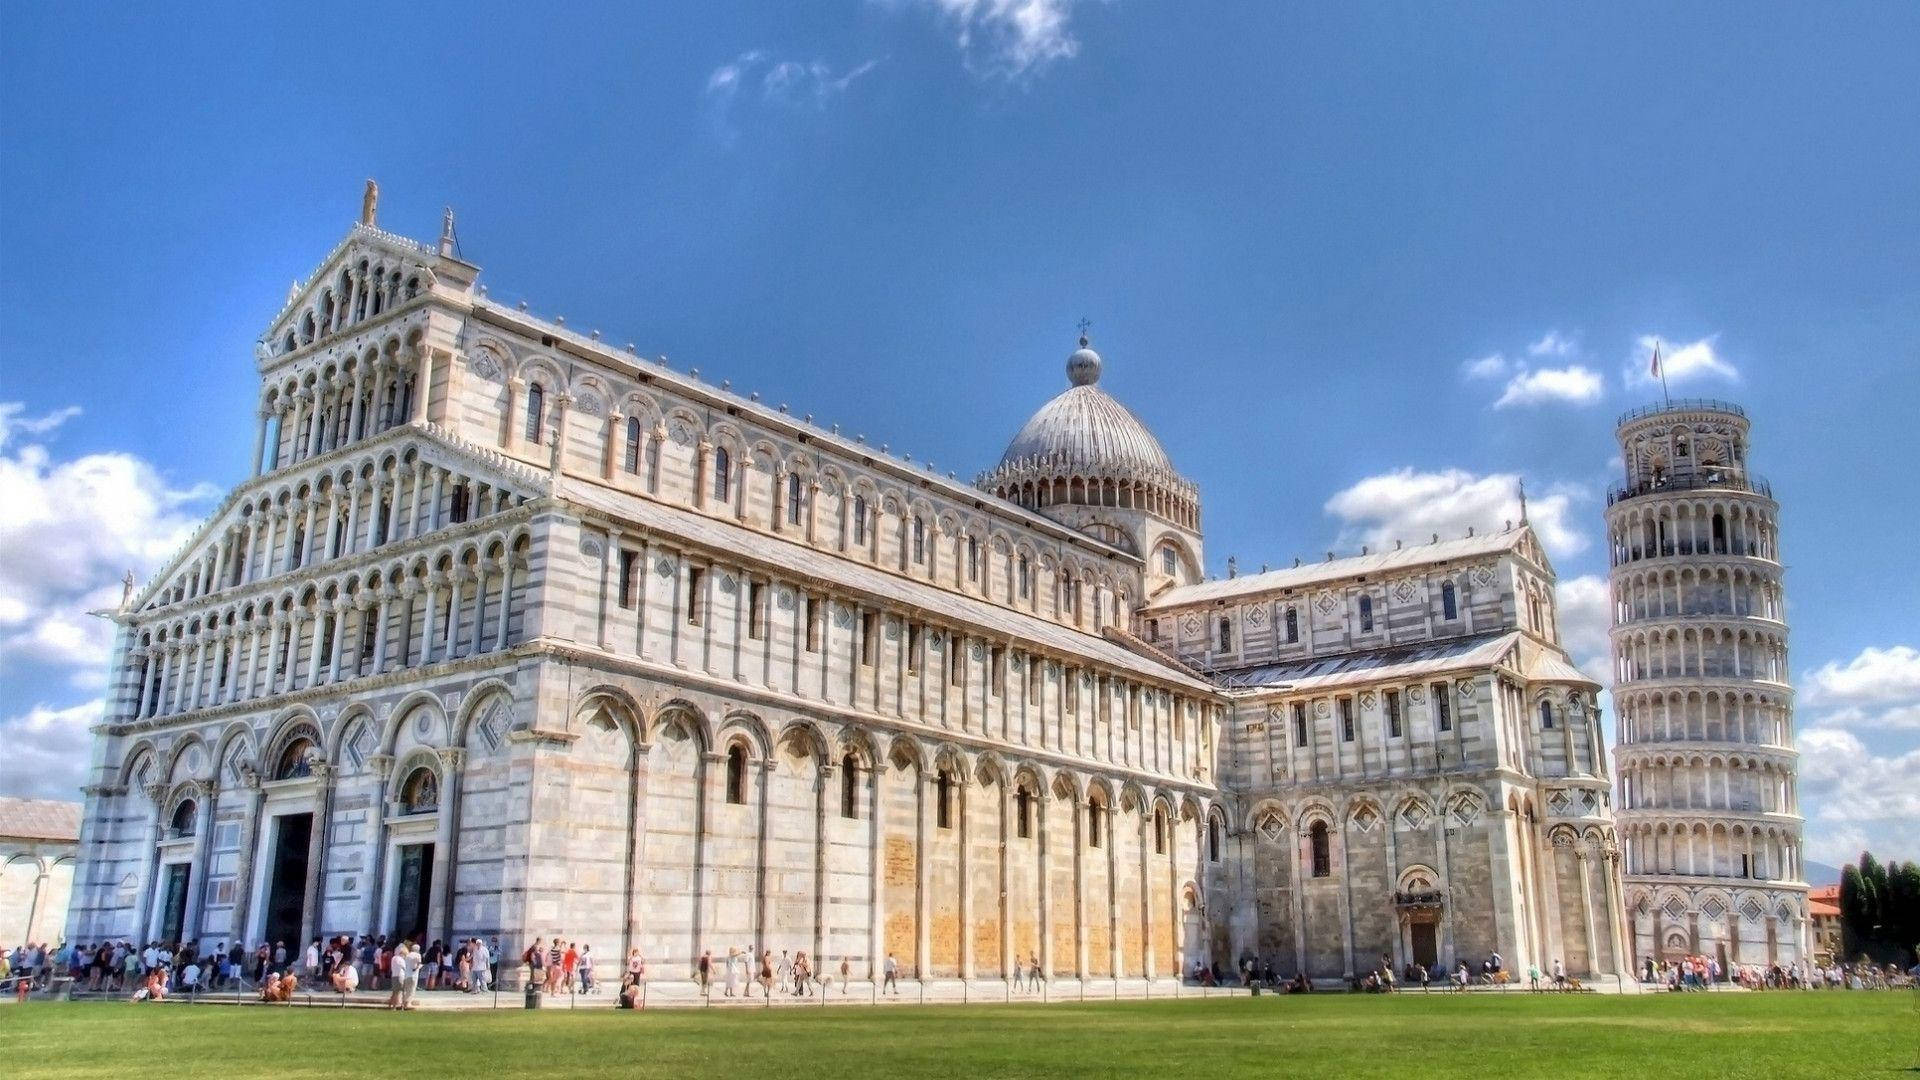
<point x="1823" y="912"/>
<point x="37" y="842"/>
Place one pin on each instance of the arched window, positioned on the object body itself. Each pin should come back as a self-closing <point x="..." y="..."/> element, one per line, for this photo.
<point x="1719" y="534"/>
<point x="737" y="775"/>
<point x="1023" y="813"/>
<point x="633" y="444"/>
<point x="1213" y="840"/>
<point x="1293" y="625"/>
<point x="943" y="800"/>
<point x="860" y="519"/>
<point x="1226" y="634"/>
<point x="1094" y="813"/>
<point x="1546" y="715"/>
<point x="182" y="822"/>
<point x="849" y="787"/>
<point x="1322" y="853"/>
<point x="1449" y="602"/>
<point x="973" y="558"/>
<point x="919" y="540"/>
<point x="536" y="412"/>
<point x="794" y="508"/>
<point x="295" y="761"/>
<point x="1169" y="560"/>
<point x="1366" y="614"/>
<point x="722" y="475"/>
<point x="1026" y="577"/>
<point x="420" y="794"/>
<point x="1159" y="832"/>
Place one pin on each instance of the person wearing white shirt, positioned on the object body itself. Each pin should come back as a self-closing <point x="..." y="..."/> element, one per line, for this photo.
<point x="482" y="966"/>
<point x="311" y="961"/>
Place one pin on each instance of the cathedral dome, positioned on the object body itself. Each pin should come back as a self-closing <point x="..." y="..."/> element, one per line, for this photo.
<point x="1085" y="429"/>
<point x="1085" y="447"/>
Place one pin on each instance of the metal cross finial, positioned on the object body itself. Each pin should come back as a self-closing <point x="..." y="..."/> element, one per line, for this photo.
<point x="1085" y="326"/>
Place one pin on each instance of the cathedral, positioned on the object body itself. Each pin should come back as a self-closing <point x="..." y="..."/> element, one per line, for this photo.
<point x="516" y="633"/>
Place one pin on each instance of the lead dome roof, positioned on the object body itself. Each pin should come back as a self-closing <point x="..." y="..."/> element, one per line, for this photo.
<point x="1084" y="429"/>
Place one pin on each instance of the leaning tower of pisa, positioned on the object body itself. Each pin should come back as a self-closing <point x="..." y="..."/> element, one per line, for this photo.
<point x="1708" y="808"/>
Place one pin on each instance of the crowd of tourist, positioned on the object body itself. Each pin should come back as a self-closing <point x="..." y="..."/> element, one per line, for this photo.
<point x="1696" y="973"/>
<point x="344" y="964"/>
<point x="160" y="969"/>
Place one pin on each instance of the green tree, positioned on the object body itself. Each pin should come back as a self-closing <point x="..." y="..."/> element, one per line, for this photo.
<point x="1855" y="930"/>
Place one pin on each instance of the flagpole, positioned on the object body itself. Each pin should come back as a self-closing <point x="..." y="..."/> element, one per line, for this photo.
<point x="1662" y="371"/>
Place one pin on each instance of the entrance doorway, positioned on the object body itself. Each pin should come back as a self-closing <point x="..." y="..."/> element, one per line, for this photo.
<point x="415" y="890"/>
<point x="287" y="883"/>
<point x="1426" y="943"/>
<point x="173" y="909"/>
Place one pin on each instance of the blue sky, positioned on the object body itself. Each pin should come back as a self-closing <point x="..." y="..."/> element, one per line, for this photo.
<point x="1294" y="229"/>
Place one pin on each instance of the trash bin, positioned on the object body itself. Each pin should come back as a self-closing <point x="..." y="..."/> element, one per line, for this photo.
<point x="533" y="994"/>
<point x="1256" y="989"/>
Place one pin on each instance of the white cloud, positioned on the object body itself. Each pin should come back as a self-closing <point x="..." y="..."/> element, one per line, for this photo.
<point x="48" y="750"/>
<point x="71" y="530"/>
<point x="1856" y="799"/>
<point x="813" y="83"/>
<point x="1411" y="506"/>
<point x="1492" y="366"/>
<point x="1879" y="688"/>
<point x="1573" y="385"/>
<point x="13" y="419"/>
<point x="1585" y="617"/>
<point x="1007" y="39"/>
<point x="1552" y="343"/>
<point x="755" y="75"/>
<point x="1681" y="362"/>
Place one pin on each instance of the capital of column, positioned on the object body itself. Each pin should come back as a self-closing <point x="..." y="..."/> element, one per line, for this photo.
<point x="380" y="765"/>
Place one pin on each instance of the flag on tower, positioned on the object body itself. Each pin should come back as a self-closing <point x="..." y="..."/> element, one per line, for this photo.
<point x="1655" y="370"/>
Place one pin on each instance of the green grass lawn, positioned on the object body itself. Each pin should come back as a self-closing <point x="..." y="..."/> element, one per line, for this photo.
<point x="1648" y="1037"/>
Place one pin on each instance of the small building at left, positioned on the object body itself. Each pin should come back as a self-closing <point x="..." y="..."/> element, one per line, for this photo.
<point x="38" y="838"/>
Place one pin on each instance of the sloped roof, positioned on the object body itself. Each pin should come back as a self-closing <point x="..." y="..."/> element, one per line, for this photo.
<point x="39" y="819"/>
<point x="807" y="564"/>
<point x="1295" y="577"/>
<point x="1409" y="662"/>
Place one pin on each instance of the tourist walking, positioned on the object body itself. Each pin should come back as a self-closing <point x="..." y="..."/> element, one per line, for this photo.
<point x="733" y="959"/>
<point x="705" y="970"/>
<point x="891" y="977"/>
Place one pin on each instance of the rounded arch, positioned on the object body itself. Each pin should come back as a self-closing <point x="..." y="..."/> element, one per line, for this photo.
<point x="404" y="712"/>
<point x="804" y="733"/>
<point x="858" y="742"/>
<point x="176" y="755"/>
<point x="1418" y="877"/>
<point x="481" y="697"/>
<point x="905" y="751"/>
<point x="142" y="755"/>
<point x="297" y="724"/>
<point x="1265" y="811"/>
<point x="688" y="717"/>
<point x="745" y="727"/>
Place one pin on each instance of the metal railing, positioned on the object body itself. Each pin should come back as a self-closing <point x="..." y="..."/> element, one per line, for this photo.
<point x="1681" y="405"/>
<point x="1692" y="482"/>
